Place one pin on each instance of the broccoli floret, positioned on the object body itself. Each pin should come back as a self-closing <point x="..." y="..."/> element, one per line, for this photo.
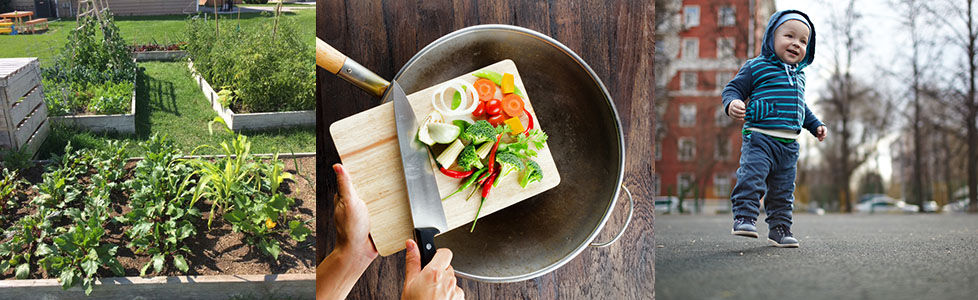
<point x="531" y="174"/>
<point x="469" y="159"/>
<point x="480" y="132"/>
<point x="508" y="162"/>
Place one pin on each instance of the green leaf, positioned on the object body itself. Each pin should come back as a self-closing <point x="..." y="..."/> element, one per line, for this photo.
<point x="23" y="270"/>
<point x="158" y="261"/>
<point x="43" y="250"/>
<point x="67" y="278"/>
<point x="271" y="247"/>
<point x="116" y="268"/>
<point x="89" y="267"/>
<point x="299" y="232"/>
<point x="88" y="284"/>
<point x="142" y="271"/>
<point x="180" y="263"/>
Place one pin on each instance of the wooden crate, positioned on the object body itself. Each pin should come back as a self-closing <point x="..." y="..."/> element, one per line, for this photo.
<point x="23" y="114"/>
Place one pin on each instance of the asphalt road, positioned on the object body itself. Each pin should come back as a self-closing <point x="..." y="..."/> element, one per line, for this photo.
<point x="841" y="257"/>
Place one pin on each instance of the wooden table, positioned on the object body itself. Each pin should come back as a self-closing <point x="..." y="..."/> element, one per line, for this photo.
<point x="18" y="16"/>
<point x="616" y="39"/>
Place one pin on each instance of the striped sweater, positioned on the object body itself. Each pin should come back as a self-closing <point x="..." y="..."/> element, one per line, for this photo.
<point x="773" y="90"/>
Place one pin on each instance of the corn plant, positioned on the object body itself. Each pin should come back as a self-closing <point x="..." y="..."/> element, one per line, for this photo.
<point x="227" y="178"/>
<point x="162" y="214"/>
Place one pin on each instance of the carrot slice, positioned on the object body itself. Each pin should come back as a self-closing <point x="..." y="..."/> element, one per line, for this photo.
<point x="512" y="105"/>
<point x="486" y="89"/>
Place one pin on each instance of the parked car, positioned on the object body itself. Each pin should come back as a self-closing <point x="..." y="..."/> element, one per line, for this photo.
<point x="885" y="204"/>
<point x="670" y="204"/>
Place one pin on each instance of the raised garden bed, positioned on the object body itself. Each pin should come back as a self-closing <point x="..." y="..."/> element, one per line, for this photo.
<point x="221" y="264"/>
<point x="120" y="123"/>
<point x="252" y="121"/>
<point x="165" y="55"/>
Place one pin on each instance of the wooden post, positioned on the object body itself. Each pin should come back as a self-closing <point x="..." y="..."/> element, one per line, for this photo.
<point x="217" y="24"/>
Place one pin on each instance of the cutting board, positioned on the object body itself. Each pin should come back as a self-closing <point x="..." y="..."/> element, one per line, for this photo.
<point x="367" y="145"/>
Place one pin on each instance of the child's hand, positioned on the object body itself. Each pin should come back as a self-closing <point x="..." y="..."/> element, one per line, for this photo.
<point x="821" y="131"/>
<point x="737" y="110"/>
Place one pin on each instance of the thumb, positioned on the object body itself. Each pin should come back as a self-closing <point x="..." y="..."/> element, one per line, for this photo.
<point x="413" y="261"/>
<point x="344" y="184"/>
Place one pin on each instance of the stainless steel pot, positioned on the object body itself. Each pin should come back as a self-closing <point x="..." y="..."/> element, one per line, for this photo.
<point x="540" y="234"/>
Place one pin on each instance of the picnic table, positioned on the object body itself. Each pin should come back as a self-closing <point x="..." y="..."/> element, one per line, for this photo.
<point x="25" y="26"/>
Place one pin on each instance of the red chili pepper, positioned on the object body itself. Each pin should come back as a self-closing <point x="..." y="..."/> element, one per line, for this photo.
<point x="488" y="185"/>
<point x="455" y="174"/>
<point x="528" y="116"/>
<point x="492" y="153"/>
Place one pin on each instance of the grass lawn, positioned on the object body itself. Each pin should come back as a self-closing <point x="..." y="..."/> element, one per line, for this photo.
<point x="139" y="30"/>
<point x="169" y="102"/>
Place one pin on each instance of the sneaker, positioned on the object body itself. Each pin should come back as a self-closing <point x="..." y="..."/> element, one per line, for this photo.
<point x="781" y="237"/>
<point x="744" y="226"/>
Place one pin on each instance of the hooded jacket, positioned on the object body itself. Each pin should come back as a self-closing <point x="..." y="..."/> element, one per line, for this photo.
<point x="776" y="90"/>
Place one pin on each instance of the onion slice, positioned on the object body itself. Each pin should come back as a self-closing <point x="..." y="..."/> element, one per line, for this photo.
<point x="442" y="101"/>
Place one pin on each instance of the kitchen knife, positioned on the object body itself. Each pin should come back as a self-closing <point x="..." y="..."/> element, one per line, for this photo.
<point x="426" y="210"/>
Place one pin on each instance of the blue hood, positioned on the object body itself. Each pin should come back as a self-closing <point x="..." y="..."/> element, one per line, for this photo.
<point x="767" y="50"/>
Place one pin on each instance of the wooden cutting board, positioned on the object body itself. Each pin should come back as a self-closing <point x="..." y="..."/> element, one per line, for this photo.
<point x="367" y="145"/>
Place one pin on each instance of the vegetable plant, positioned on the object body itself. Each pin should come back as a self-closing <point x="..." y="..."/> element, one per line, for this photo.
<point x="162" y="215"/>
<point x="21" y="250"/>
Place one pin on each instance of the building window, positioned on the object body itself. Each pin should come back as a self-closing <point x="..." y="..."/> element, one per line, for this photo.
<point x="691" y="16"/>
<point x="687" y="81"/>
<point x="687" y="115"/>
<point x="722" y="79"/>
<point x="722" y="152"/>
<point x="721" y="185"/>
<point x="687" y="149"/>
<point x="722" y="120"/>
<point x="726" y="16"/>
<point x="691" y="48"/>
<point x="725" y="47"/>
<point x="656" y="184"/>
<point x="658" y="150"/>
<point x="685" y="183"/>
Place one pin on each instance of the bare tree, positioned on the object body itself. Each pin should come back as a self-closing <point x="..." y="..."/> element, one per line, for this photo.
<point x="853" y="109"/>
<point x="964" y="96"/>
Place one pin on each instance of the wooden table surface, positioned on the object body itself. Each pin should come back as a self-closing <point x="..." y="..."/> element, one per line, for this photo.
<point x="615" y="39"/>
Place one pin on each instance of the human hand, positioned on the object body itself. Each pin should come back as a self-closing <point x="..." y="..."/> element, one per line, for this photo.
<point x="436" y="281"/>
<point x="821" y="132"/>
<point x="352" y="219"/>
<point x="737" y="110"/>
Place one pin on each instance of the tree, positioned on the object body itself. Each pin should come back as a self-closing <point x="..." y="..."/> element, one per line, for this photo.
<point x="851" y="114"/>
<point x="963" y="95"/>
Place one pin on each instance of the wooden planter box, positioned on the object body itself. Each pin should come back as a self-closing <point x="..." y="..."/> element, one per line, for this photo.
<point x="159" y="55"/>
<point x="121" y="123"/>
<point x="23" y="114"/>
<point x="253" y="121"/>
<point x="286" y="286"/>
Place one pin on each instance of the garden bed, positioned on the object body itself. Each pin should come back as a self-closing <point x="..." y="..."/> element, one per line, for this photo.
<point x="121" y="123"/>
<point x="220" y="263"/>
<point x="159" y="55"/>
<point x="252" y="121"/>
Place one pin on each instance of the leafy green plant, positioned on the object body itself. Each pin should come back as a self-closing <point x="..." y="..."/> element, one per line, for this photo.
<point x="111" y="98"/>
<point x="22" y="249"/>
<point x="8" y="185"/>
<point x="95" y="54"/>
<point x="227" y="178"/>
<point x="162" y="214"/>
<point x="76" y="253"/>
<point x="268" y="69"/>
<point x="16" y="159"/>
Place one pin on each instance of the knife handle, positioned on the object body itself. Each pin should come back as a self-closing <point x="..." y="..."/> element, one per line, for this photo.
<point x="338" y="63"/>
<point x="426" y="243"/>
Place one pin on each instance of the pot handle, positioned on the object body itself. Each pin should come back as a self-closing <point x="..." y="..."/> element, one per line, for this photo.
<point x="337" y="63"/>
<point x="631" y="210"/>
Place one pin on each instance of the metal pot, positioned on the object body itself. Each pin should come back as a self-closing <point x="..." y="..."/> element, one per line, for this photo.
<point x="542" y="233"/>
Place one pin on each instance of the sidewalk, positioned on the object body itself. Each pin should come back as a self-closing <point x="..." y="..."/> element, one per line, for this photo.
<point x="841" y="257"/>
<point x="245" y="8"/>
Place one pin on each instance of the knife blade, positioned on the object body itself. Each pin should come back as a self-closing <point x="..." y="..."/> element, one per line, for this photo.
<point x="426" y="210"/>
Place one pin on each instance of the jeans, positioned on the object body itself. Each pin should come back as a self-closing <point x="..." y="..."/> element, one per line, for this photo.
<point x="767" y="169"/>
